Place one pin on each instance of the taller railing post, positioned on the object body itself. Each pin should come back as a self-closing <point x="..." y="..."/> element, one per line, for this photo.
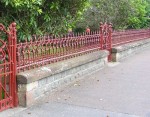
<point x="110" y="42"/>
<point x="106" y="38"/>
<point x="101" y="35"/>
<point x="12" y="45"/>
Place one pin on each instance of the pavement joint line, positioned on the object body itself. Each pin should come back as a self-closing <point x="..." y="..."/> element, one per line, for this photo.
<point x="95" y="108"/>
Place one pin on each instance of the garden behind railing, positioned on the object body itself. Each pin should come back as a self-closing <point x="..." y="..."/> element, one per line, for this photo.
<point x="47" y="49"/>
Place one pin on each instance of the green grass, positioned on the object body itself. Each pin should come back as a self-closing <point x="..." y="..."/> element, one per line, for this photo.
<point x="2" y="95"/>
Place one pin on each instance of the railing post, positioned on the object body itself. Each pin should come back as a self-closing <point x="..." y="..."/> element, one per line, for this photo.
<point x="13" y="41"/>
<point x="101" y="35"/>
<point x="110" y="42"/>
<point x="106" y="38"/>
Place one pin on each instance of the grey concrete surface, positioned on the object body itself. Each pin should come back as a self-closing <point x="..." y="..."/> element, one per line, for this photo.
<point x="119" y="90"/>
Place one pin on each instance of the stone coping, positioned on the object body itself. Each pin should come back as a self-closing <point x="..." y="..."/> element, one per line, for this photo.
<point x="54" y="68"/>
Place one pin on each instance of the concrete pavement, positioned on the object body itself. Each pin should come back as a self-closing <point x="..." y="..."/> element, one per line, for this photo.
<point x="119" y="90"/>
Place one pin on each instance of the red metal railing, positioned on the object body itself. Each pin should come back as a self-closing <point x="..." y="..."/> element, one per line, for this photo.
<point x="106" y="38"/>
<point x="8" y="91"/>
<point x="128" y="36"/>
<point x="46" y="49"/>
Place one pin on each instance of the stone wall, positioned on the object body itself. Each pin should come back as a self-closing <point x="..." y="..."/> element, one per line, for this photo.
<point x="34" y="84"/>
<point x="120" y="52"/>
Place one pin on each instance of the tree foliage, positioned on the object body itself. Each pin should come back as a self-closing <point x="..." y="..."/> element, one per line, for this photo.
<point x="41" y="16"/>
<point x="57" y="16"/>
<point x="139" y="16"/>
<point x="122" y="13"/>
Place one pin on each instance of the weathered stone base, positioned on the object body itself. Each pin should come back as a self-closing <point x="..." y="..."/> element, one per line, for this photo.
<point x="35" y="83"/>
<point x="121" y="52"/>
